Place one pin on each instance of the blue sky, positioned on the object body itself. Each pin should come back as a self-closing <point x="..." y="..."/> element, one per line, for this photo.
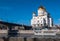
<point x="20" y="11"/>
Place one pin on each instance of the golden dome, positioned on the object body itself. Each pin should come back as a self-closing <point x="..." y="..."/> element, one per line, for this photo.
<point x="41" y="8"/>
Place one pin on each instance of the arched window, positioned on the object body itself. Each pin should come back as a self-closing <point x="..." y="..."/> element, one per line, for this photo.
<point x="44" y="22"/>
<point x="38" y="25"/>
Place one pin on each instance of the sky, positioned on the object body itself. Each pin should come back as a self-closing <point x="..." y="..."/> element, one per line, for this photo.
<point x="20" y="11"/>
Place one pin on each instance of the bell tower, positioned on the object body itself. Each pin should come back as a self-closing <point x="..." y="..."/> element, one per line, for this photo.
<point x="34" y="14"/>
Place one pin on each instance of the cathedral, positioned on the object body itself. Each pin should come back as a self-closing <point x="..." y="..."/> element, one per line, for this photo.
<point x="42" y="19"/>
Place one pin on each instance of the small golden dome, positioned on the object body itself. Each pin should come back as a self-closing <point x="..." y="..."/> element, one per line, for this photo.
<point x="34" y="12"/>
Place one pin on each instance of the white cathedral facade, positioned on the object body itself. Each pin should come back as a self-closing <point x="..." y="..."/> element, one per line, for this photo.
<point x="42" y="19"/>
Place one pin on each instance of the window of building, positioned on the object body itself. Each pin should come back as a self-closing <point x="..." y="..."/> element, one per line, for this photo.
<point x="41" y="24"/>
<point x="38" y="24"/>
<point x="44" y="22"/>
<point x="34" y="25"/>
<point x="38" y="21"/>
<point x="41" y="21"/>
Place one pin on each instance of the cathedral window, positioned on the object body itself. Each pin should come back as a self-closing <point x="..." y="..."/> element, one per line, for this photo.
<point x="34" y="25"/>
<point x="38" y="24"/>
<point x="44" y="21"/>
<point x="38" y="21"/>
<point x="41" y="21"/>
<point x="41" y="24"/>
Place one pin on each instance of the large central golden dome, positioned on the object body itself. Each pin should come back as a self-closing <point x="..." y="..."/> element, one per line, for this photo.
<point x="41" y="8"/>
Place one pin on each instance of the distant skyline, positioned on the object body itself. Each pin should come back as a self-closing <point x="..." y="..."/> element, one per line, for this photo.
<point x="20" y="11"/>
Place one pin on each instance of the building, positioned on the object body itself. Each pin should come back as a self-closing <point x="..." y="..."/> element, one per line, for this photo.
<point x="43" y="18"/>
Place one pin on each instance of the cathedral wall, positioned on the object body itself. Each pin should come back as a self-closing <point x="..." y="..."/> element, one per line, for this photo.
<point x="41" y="18"/>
